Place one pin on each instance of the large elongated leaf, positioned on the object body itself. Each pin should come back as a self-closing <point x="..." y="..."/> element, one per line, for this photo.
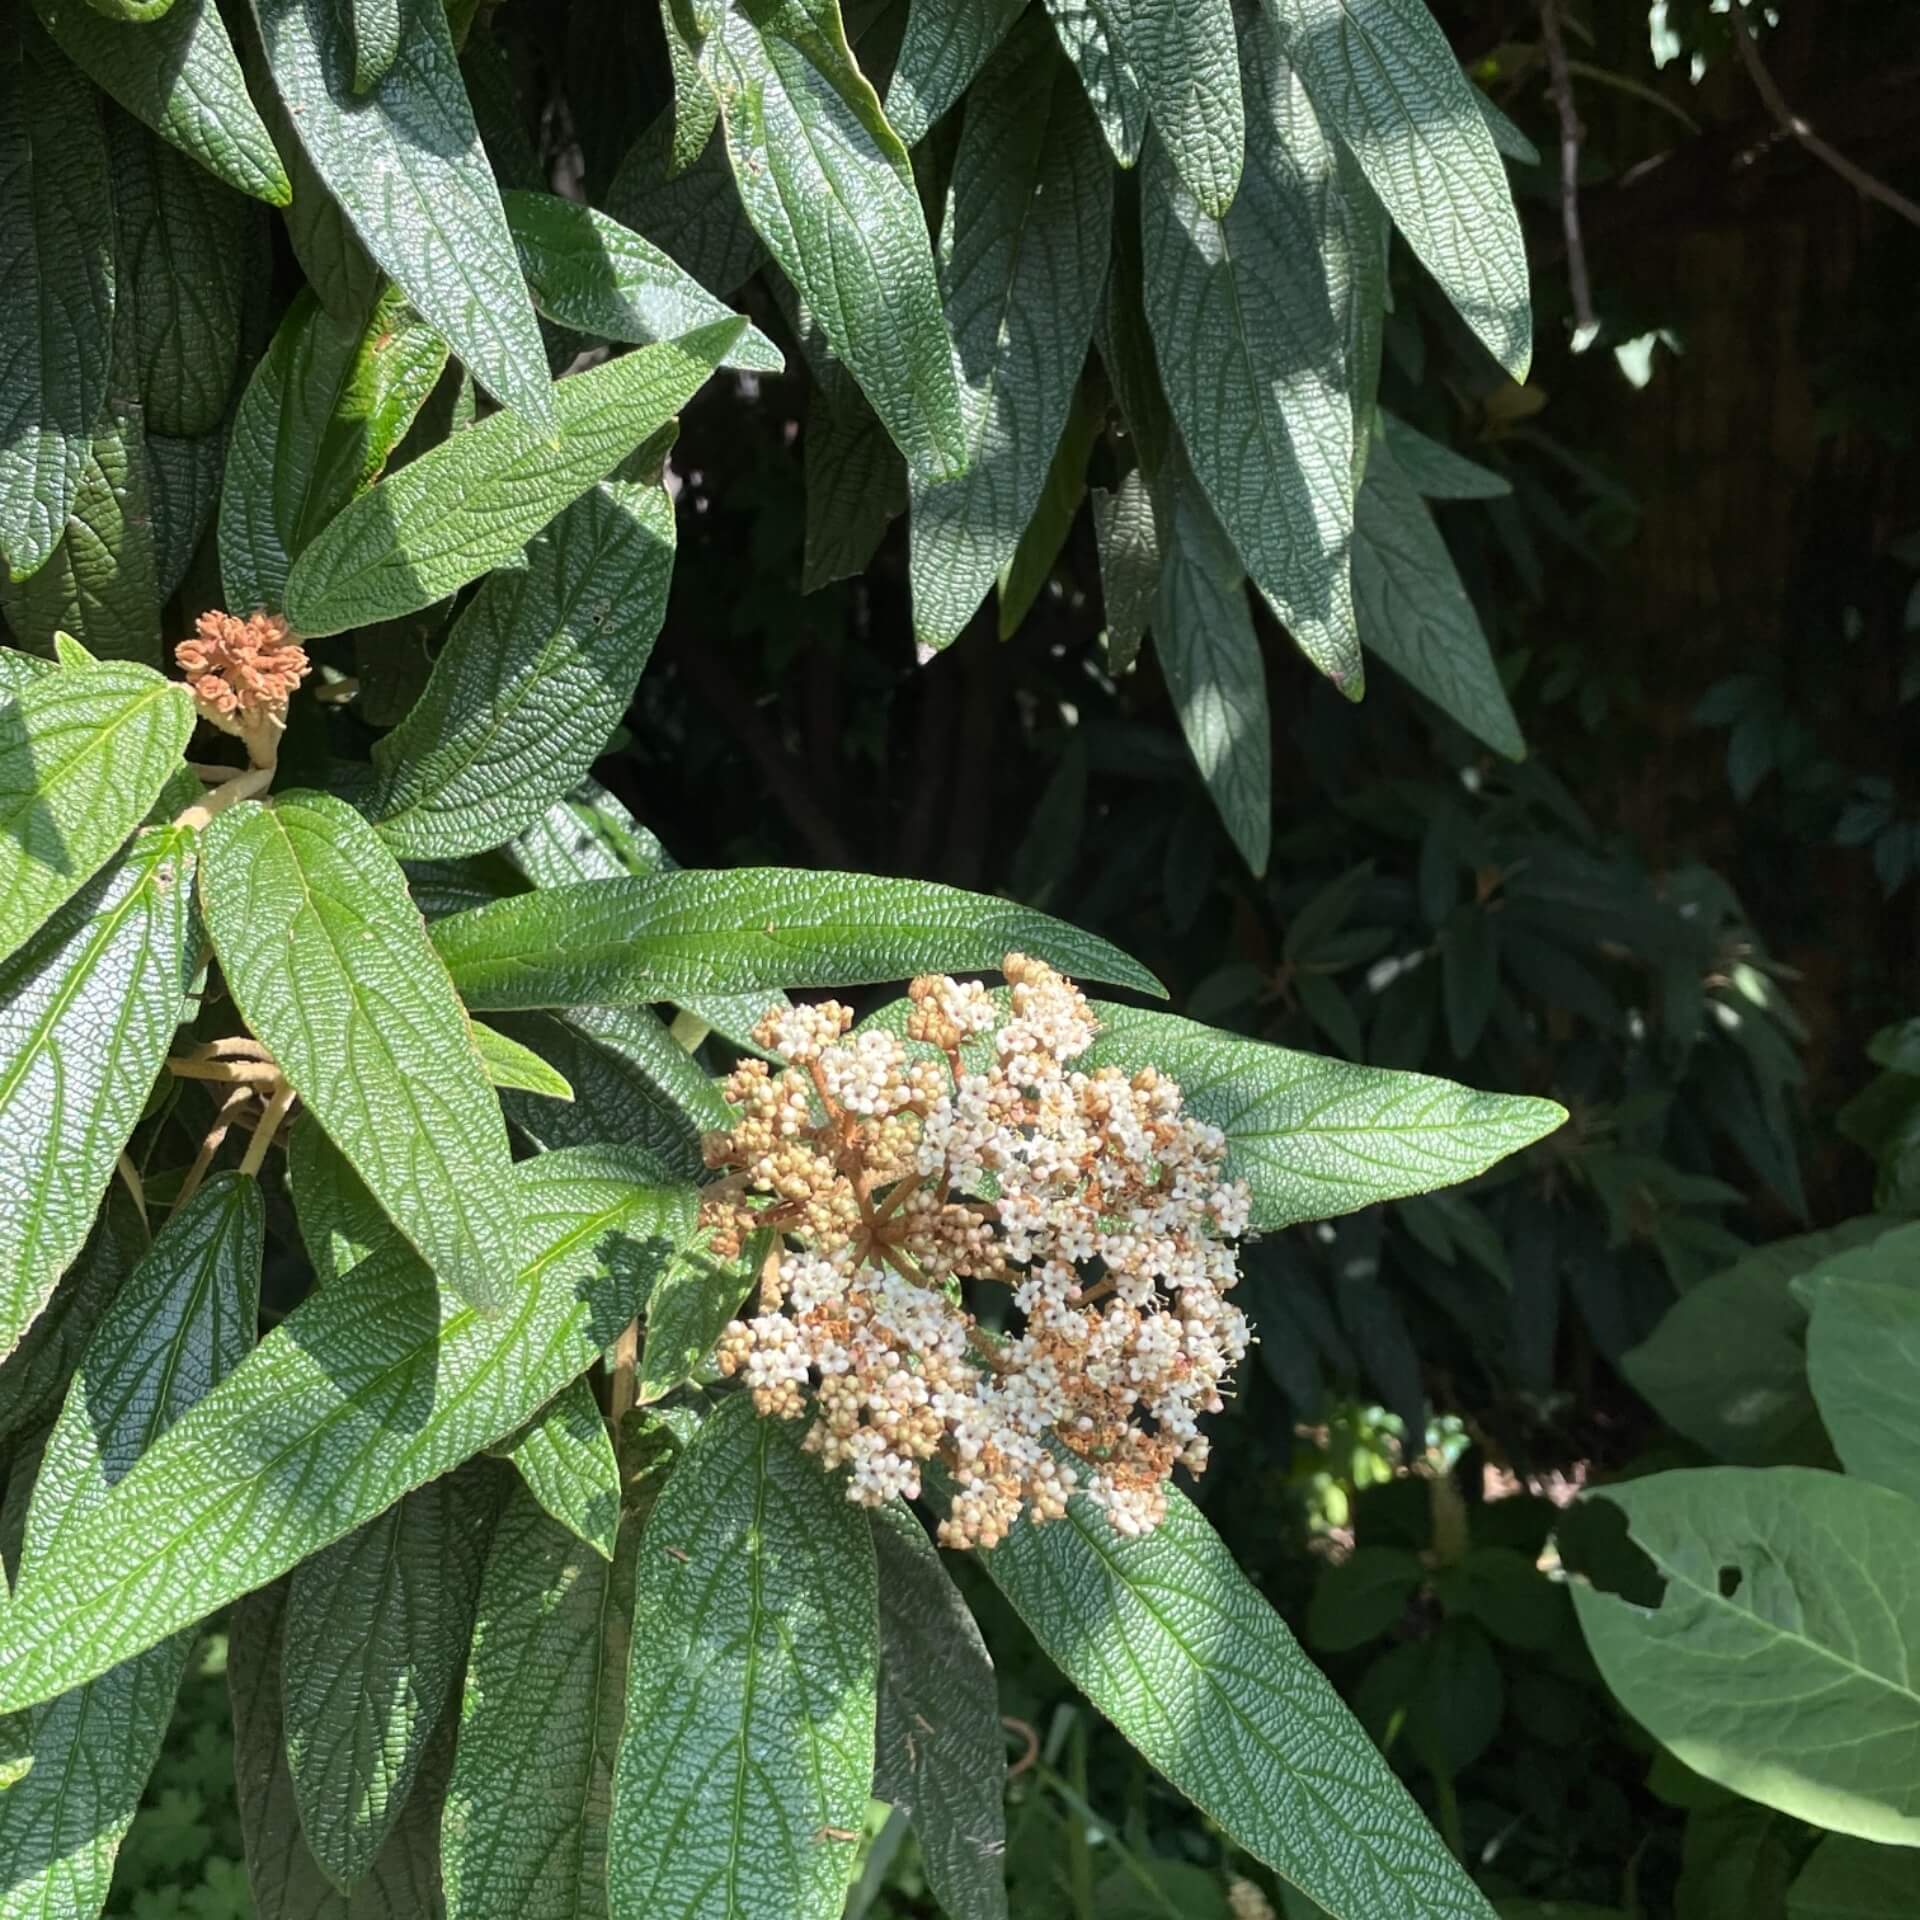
<point x="404" y="160"/>
<point x="1382" y="74"/>
<point x="1130" y="566"/>
<point x="565" y="1456"/>
<point x="1249" y="319"/>
<point x="1850" y="1880"/>
<point x="101" y="585"/>
<point x="524" y="1832"/>
<point x="945" y="45"/>
<point x="470" y="504"/>
<point x="694" y="214"/>
<point x="1023" y="258"/>
<point x="324" y="954"/>
<point x="86" y="1012"/>
<point x="285" y="1879"/>
<point x="83" y="755"/>
<point x="374" y="1385"/>
<point x="340" y="1221"/>
<point x="376" y="1633"/>
<point x="1415" y="614"/>
<point x="56" y="294"/>
<point x="534" y="677"/>
<point x="1805" y="1577"/>
<point x="626" y="942"/>
<point x="1186" y="56"/>
<point x="1863" y="1361"/>
<point x="182" y="1322"/>
<point x="324" y="410"/>
<point x="588" y="271"/>
<point x="1315" y="1137"/>
<point x="181" y="76"/>
<point x="829" y="189"/>
<point x="1210" y="655"/>
<point x="1106" y="73"/>
<point x="748" y="1746"/>
<point x="1166" y="1637"/>
<point x="939" y="1751"/>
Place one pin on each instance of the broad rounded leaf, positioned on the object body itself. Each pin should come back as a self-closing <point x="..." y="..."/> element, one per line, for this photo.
<point x="1851" y="1880"/>
<point x="1863" y="1359"/>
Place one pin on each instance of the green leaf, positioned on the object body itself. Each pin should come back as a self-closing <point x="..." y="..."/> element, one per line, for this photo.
<point x="689" y="1311"/>
<point x="1187" y="57"/>
<point x="588" y="271"/>
<point x="283" y="1875"/>
<point x="185" y="253"/>
<point x="56" y="294"/>
<point x="748" y="1745"/>
<point x="323" y="412"/>
<point x="183" y="1321"/>
<point x="376" y="1634"/>
<point x="1025" y="577"/>
<point x="1315" y="1137"/>
<point x="376" y="40"/>
<point x="945" y="45"/>
<point x="1130" y="566"/>
<point x="1863" y="1362"/>
<point x="1107" y="75"/>
<point x="340" y="1221"/>
<point x="1363" y="1597"/>
<point x="939" y="1752"/>
<point x="694" y="213"/>
<point x="1512" y="143"/>
<point x="1248" y="315"/>
<point x="510" y="1066"/>
<point x="181" y="76"/>
<point x="374" y="1385"/>
<point x="695" y="111"/>
<point x="83" y="756"/>
<point x="1382" y="74"/>
<point x="326" y="958"/>
<point x="1804" y="1577"/>
<point x="100" y="585"/>
<point x="533" y="679"/>
<point x="470" y="504"/>
<point x="628" y="942"/>
<point x="1166" y="1637"/>
<point x="830" y="190"/>
<point x="523" y="1836"/>
<point x="404" y="162"/>
<point x="1435" y="470"/>
<point x="86" y="1012"/>
<point x="1210" y="655"/>
<point x="1850" y="1880"/>
<point x="1023" y="258"/>
<point x="856" y="486"/>
<point x="566" y="1458"/>
<point x="1415" y="614"/>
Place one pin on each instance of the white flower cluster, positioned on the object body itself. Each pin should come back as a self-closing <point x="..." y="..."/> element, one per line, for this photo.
<point x="896" y="1182"/>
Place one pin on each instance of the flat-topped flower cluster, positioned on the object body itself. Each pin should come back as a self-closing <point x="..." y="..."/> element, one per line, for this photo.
<point x="897" y="1179"/>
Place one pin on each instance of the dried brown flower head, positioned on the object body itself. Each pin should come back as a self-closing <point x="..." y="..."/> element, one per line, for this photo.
<point x="242" y="672"/>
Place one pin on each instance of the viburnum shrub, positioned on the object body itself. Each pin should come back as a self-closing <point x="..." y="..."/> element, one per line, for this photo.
<point x="431" y="1238"/>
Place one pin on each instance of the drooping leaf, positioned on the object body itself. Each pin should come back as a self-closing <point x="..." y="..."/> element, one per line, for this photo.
<point x="689" y="1311"/>
<point x="523" y="1836"/>
<point x="325" y="408"/>
<point x="181" y="1323"/>
<point x="939" y="1752"/>
<point x="514" y="1068"/>
<point x="181" y="76"/>
<point x="1106" y="72"/>
<point x="1248" y="316"/>
<point x="1130" y="566"/>
<point x="1434" y="470"/>
<point x="941" y="53"/>
<point x="183" y="486"/>
<point x="588" y="271"/>
<point x="856" y="486"/>
<point x="1415" y="613"/>
<point x="1850" y="1880"/>
<point x="341" y="1223"/>
<point x="1187" y="59"/>
<point x="830" y="191"/>
<point x="693" y="213"/>
<point x="375" y="1635"/>
<point x="754" y="1599"/>
<point x="404" y="161"/>
<point x="372" y="1386"/>
<point x="376" y="40"/>
<point x="566" y="1458"/>
<point x="533" y="679"/>
<point x="101" y="585"/>
<point x="56" y="294"/>
<point x="1023" y="258"/>
<point x="284" y="1877"/>
<point x="470" y="504"/>
<point x="1210" y="655"/>
<point x="1796" y="1574"/>
<point x="1383" y="76"/>
<point x="1166" y="1637"/>
<point x="325" y="956"/>
<point x="1863" y="1360"/>
<point x="628" y="942"/>
<point x="1027" y="575"/>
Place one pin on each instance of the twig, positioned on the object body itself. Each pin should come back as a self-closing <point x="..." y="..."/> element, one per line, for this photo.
<point x="1585" y="326"/>
<point x="196" y="1173"/>
<point x="136" y="1186"/>
<point x="264" y="1130"/>
<point x="1790" y="122"/>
